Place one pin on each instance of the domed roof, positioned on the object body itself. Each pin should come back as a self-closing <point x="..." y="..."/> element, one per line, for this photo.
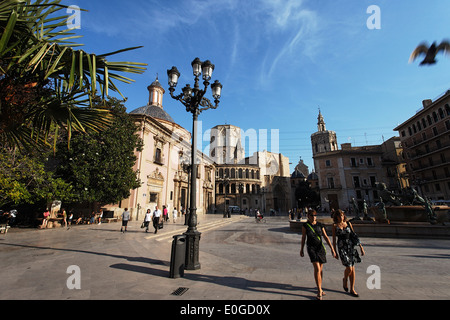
<point x="154" y="112"/>
<point x="313" y="176"/>
<point x="156" y="84"/>
<point x="297" y="174"/>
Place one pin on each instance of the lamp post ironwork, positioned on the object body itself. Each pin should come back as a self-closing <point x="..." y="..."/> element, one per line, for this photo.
<point x="195" y="102"/>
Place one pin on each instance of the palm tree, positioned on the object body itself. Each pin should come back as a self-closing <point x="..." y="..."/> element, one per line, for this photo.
<point x="45" y="84"/>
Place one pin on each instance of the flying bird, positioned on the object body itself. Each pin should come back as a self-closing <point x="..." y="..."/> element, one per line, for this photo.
<point x="429" y="52"/>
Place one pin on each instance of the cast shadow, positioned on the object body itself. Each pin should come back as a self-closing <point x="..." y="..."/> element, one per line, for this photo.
<point x="231" y="282"/>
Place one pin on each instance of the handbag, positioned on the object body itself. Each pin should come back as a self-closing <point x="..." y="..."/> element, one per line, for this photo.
<point x="160" y="225"/>
<point x="354" y="239"/>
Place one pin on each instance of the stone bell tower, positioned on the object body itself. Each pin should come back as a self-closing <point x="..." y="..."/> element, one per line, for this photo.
<point x="323" y="140"/>
<point x="226" y="146"/>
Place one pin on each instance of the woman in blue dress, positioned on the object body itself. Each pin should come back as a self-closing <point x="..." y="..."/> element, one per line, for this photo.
<point x="346" y="248"/>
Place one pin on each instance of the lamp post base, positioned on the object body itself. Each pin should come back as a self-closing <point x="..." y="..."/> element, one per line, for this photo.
<point x="192" y="249"/>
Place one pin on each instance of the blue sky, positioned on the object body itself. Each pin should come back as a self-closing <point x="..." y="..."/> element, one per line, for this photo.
<point x="280" y="60"/>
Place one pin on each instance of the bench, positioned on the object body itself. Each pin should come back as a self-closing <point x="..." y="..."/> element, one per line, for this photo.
<point x="109" y="220"/>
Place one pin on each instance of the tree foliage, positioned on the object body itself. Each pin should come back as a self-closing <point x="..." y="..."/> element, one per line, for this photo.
<point x="99" y="166"/>
<point x="24" y="179"/>
<point x="45" y="84"/>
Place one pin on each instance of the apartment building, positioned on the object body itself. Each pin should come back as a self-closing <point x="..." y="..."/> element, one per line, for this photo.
<point x="425" y="138"/>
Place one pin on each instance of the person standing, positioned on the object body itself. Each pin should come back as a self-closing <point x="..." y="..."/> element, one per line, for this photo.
<point x="165" y="214"/>
<point x="314" y="233"/>
<point x="174" y="214"/>
<point x="156" y="218"/>
<point x="125" y="219"/>
<point x="70" y="220"/>
<point x="100" y="216"/>
<point x="346" y="243"/>
<point x="64" y="214"/>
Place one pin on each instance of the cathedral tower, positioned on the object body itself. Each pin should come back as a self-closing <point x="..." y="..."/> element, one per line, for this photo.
<point x="226" y="147"/>
<point x="323" y="140"/>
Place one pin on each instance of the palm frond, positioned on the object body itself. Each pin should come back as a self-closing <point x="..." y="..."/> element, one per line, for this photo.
<point x="37" y="48"/>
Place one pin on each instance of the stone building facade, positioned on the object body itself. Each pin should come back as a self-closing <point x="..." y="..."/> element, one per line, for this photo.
<point x="353" y="172"/>
<point x="425" y="138"/>
<point x="260" y="181"/>
<point x="163" y="164"/>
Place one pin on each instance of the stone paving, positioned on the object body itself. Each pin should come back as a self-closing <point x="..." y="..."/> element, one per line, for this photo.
<point x="240" y="260"/>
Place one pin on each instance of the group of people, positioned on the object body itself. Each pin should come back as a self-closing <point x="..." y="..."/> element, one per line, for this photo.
<point x="156" y="217"/>
<point x="343" y="247"/>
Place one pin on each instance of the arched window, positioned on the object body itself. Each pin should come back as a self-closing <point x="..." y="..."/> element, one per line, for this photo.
<point x="424" y="123"/>
<point x="223" y="138"/>
<point x="435" y="117"/>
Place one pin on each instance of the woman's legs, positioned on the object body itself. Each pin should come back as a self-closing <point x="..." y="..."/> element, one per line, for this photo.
<point x="350" y="274"/>
<point x="352" y="281"/>
<point x="318" y="275"/>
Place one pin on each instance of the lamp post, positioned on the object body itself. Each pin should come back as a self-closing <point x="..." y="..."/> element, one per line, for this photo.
<point x="195" y="102"/>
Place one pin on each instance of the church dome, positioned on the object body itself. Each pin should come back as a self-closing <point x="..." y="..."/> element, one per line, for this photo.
<point x="154" y="107"/>
<point x="313" y="176"/>
<point x="154" y="112"/>
<point x="298" y="174"/>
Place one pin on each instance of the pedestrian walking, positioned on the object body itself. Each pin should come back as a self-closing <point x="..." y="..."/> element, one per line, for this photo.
<point x="165" y="214"/>
<point x="125" y="218"/>
<point x="100" y="216"/>
<point x="346" y="242"/>
<point x="157" y="218"/>
<point x="174" y="215"/>
<point x="147" y="219"/>
<point x="314" y="233"/>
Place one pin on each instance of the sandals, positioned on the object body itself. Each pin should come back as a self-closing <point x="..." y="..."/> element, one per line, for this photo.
<point x="320" y="296"/>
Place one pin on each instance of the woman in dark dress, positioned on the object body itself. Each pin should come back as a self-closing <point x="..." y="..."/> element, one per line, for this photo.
<point x="346" y="243"/>
<point x="313" y="232"/>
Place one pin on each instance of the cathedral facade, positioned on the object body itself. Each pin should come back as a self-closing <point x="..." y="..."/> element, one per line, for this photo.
<point x="260" y="181"/>
<point x="163" y="165"/>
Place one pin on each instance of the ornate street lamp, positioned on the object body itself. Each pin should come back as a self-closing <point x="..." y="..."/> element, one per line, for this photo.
<point x="195" y="102"/>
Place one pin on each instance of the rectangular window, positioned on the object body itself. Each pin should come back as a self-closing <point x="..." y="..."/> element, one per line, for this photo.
<point x="153" y="198"/>
<point x="330" y="183"/>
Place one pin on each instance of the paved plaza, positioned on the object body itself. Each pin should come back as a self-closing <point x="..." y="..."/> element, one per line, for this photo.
<point x="240" y="260"/>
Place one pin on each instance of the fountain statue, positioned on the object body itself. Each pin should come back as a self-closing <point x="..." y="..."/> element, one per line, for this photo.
<point x="408" y="205"/>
